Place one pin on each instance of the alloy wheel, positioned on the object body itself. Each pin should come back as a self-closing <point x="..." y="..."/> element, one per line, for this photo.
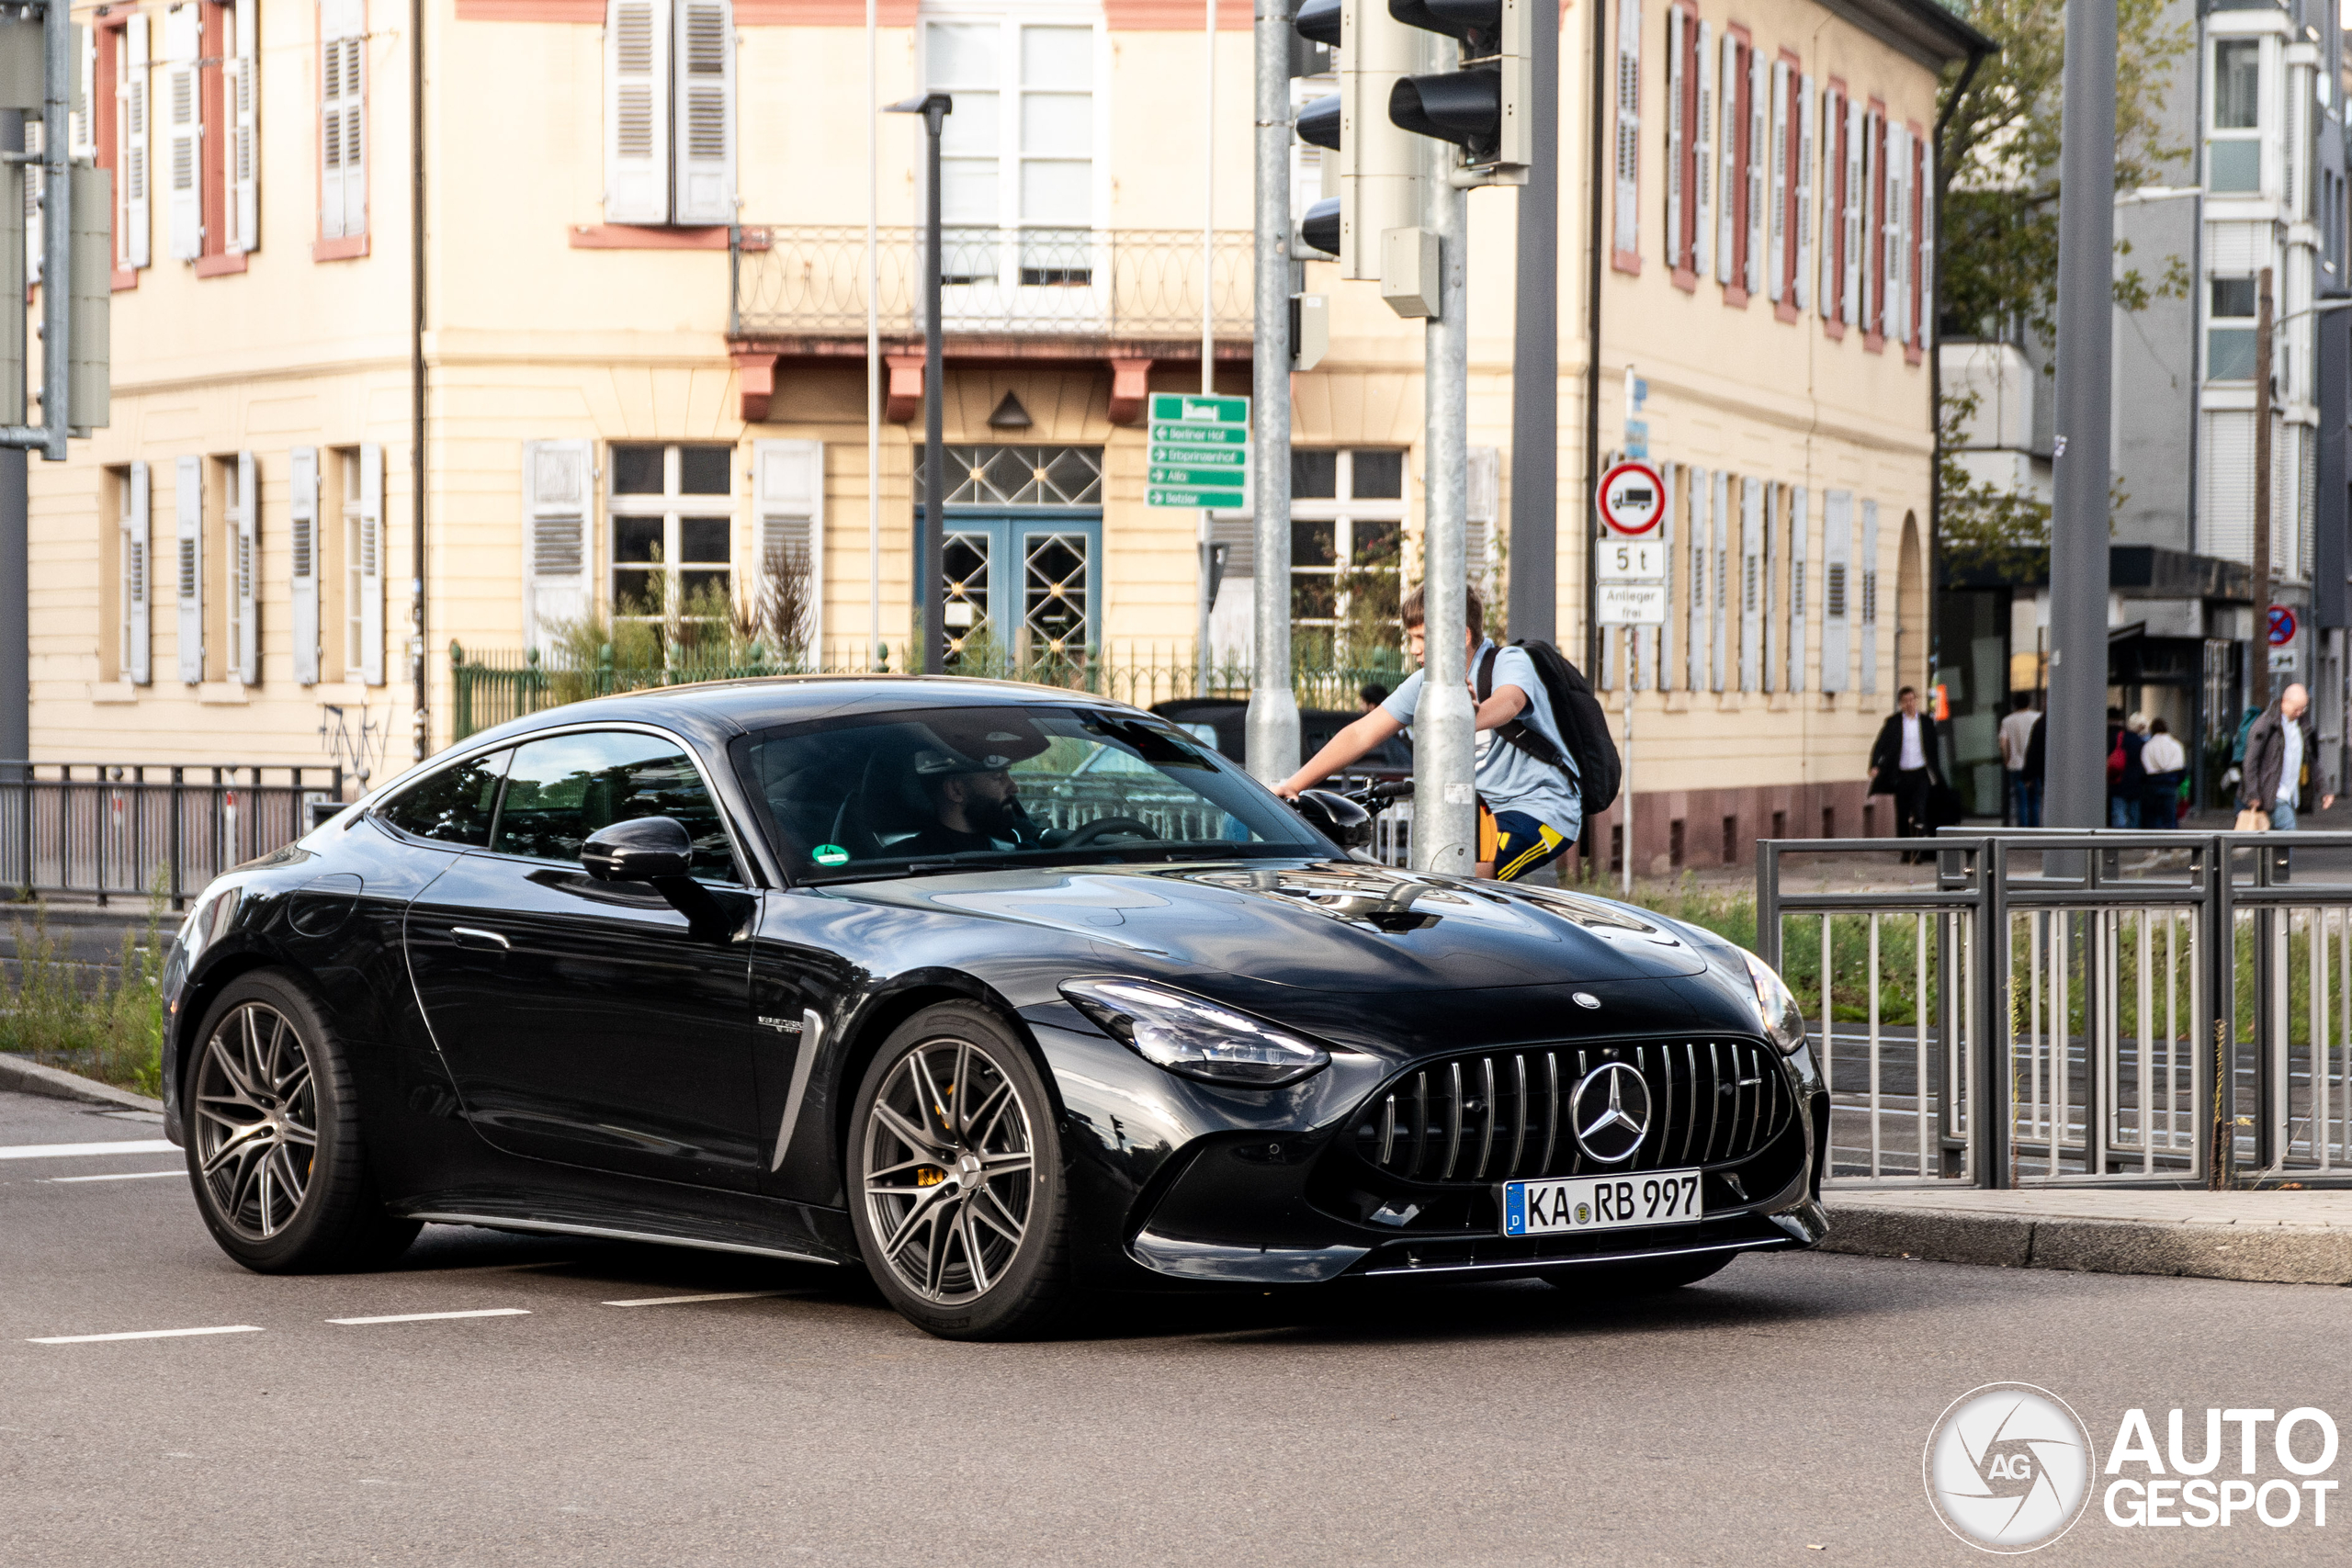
<point x="257" y="1121"/>
<point x="948" y="1170"/>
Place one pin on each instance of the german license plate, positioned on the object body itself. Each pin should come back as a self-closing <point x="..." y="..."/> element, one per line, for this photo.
<point x="1601" y="1203"/>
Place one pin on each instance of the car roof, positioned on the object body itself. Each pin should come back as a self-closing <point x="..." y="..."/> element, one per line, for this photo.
<point x="716" y="710"/>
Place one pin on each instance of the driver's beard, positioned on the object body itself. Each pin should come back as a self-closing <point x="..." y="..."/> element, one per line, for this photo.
<point x="997" y="818"/>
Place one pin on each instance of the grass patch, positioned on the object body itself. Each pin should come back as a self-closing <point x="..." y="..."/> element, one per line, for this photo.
<point x="81" y="1017"/>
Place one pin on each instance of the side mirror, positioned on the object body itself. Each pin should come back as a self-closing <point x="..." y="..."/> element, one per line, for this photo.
<point x="1336" y="816"/>
<point x="646" y="849"/>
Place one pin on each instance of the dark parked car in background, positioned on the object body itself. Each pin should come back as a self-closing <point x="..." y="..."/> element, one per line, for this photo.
<point x="1000" y="993"/>
<point x="1224" y="723"/>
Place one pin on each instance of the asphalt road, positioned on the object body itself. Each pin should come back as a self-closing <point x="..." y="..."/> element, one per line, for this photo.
<point x="1779" y="1407"/>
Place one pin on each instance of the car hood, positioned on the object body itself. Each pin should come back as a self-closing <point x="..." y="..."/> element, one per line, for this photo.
<point x="1323" y="926"/>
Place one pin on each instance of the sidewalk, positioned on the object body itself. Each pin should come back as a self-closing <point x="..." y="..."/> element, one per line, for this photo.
<point x="2290" y="1238"/>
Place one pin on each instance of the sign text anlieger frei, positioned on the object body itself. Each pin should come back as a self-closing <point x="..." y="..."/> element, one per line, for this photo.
<point x="1199" y="454"/>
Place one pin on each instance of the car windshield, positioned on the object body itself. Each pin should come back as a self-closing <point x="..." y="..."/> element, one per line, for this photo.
<point x="888" y="793"/>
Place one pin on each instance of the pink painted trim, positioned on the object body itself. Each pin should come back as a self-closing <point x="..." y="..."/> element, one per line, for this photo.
<point x="351" y="247"/>
<point x="220" y="264"/>
<point x="631" y="237"/>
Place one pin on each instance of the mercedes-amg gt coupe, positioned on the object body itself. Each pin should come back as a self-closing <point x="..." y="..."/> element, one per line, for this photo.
<point x="1008" y="996"/>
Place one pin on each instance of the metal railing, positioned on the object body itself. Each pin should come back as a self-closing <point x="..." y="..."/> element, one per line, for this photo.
<point x="113" y="830"/>
<point x="2062" y="1007"/>
<point x="790" y="281"/>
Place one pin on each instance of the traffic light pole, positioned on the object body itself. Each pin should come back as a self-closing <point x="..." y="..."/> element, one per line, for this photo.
<point x="16" y="613"/>
<point x="57" y="239"/>
<point x="1273" y="710"/>
<point x="1445" y="805"/>
<point x="1536" y="358"/>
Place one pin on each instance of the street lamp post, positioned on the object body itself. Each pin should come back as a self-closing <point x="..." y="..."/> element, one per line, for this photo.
<point x="929" y="600"/>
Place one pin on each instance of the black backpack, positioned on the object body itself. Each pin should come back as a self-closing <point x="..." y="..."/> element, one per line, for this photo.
<point x="1577" y="712"/>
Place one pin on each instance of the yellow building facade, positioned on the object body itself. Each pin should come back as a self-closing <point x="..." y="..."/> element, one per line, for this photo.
<point x="639" y="304"/>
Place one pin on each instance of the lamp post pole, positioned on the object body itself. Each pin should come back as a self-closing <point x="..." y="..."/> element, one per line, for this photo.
<point x="929" y="600"/>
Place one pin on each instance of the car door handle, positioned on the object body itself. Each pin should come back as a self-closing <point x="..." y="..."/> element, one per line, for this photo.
<point x="474" y="936"/>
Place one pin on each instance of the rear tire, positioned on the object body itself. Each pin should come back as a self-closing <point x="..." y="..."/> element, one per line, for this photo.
<point x="273" y="1149"/>
<point x="957" y="1182"/>
<point x="1623" y="1281"/>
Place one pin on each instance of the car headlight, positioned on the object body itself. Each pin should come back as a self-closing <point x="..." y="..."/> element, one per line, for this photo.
<point x="1193" y="1038"/>
<point x="1776" y="1005"/>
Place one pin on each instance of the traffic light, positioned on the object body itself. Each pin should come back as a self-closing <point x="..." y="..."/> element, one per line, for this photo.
<point x="1484" y="105"/>
<point x="1376" y="162"/>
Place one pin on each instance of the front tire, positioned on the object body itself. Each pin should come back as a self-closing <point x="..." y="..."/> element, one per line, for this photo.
<point x="274" y="1143"/>
<point x="958" y="1186"/>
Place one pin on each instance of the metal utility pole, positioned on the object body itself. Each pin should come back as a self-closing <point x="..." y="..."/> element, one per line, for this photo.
<point x="1273" y="709"/>
<point x="2263" y="328"/>
<point x="2078" y="533"/>
<point x="930" y="596"/>
<point x="1445" y="802"/>
<point x="16" y="464"/>
<point x="1536" y="358"/>
<point x="1207" y="583"/>
<point x="422" y="720"/>
<point x="1597" y="182"/>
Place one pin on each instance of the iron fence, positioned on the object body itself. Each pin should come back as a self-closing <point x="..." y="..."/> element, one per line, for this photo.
<point x="2057" y="1007"/>
<point x="124" y="830"/>
<point x="794" y="281"/>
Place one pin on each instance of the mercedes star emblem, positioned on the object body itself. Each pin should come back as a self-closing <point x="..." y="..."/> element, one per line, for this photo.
<point x="1611" y="1112"/>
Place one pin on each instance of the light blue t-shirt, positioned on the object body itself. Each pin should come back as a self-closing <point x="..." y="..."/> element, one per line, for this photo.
<point x="1507" y="778"/>
<point x="2290" y="765"/>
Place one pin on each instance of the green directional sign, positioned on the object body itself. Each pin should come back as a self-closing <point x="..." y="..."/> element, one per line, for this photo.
<point x="1200" y="451"/>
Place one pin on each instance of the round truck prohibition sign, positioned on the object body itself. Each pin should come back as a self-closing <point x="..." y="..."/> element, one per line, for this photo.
<point x="1632" y="499"/>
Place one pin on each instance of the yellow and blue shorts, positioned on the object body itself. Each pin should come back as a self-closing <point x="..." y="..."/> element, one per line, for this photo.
<point x="1516" y="843"/>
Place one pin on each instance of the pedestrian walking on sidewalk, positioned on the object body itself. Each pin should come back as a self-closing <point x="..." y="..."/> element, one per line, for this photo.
<point x="1902" y="764"/>
<point x="2166" y="763"/>
<point x="2279" y="753"/>
<point x="2126" y="780"/>
<point x="2016" y="739"/>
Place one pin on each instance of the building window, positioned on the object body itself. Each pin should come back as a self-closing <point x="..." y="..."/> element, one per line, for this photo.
<point x="669" y="112"/>
<point x="342" y="130"/>
<point x="2229" y="338"/>
<point x="1017" y="171"/>
<point x="2234" y="162"/>
<point x="1346" y="539"/>
<point x="673" y="532"/>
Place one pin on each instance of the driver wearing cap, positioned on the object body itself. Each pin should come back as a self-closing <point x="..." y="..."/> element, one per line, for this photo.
<point x="972" y="791"/>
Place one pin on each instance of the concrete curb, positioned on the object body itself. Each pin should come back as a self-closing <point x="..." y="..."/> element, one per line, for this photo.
<point x="26" y="1075"/>
<point x="2277" y="1254"/>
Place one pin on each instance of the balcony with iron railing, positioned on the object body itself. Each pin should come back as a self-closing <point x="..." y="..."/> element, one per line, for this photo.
<point x="803" y="289"/>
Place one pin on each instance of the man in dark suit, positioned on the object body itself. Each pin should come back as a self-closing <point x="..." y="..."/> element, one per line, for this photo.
<point x="1902" y="764"/>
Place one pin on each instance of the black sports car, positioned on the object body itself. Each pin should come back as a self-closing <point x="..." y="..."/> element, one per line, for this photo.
<point x="999" y="992"/>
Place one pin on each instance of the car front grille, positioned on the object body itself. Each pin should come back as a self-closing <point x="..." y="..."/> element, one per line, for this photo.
<point x="1495" y="1115"/>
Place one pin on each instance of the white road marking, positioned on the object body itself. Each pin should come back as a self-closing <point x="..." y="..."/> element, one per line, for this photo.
<point x="59" y="1151"/>
<point x="117" y="1176"/>
<point x="681" y="1301"/>
<point x="434" y="1316"/>
<point x="145" y="1334"/>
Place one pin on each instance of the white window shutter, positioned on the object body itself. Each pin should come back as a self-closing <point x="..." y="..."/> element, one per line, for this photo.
<point x="705" y="133"/>
<point x="1895" y="223"/>
<point x="790" y="481"/>
<point x="1776" y="278"/>
<point x="1837" y="591"/>
<point x="1871" y="595"/>
<point x="243" y="95"/>
<point x="1702" y="158"/>
<point x="131" y="145"/>
<point x="85" y="93"/>
<point x="342" y="90"/>
<point x="139" y="578"/>
<point x="1719" y="597"/>
<point x="246" y="568"/>
<point x="1874" y="204"/>
<point x="1768" y="645"/>
<point x="1850" y="291"/>
<point x="1806" y="124"/>
<point x="558" y="482"/>
<point x="1759" y="151"/>
<point x="1923" y="244"/>
<point x="1833" y="200"/>
<point x="187" y="513"/>
<point x="1800" y="525"/>
<point x="1751" y="584"/>
<point x="1695" y="557"/>
<point x="36" y="183"/>
<point x="371" y="563"/>
<point x="1727" y="174"/>
<point x="302" y="575"/>
<point x="183" y="178"/>
<point x="1676" y="134"/>
<point x="636" y="111"/>
<point x="1628" y="214"/>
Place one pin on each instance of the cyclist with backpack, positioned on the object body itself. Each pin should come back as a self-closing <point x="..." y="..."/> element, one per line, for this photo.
<point x="1531" y="803"/>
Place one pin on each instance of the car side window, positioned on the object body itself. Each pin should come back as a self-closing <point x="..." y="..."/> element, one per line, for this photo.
<point x="454" y="806"/>
<point x="561" y="790"/>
